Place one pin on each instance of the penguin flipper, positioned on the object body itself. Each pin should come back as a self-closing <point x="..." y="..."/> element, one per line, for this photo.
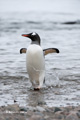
<point x="23" y="50"/>
<point x="50" y="50"/>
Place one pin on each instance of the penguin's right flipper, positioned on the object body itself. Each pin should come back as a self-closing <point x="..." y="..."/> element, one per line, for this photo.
<point x="23" y="50"/>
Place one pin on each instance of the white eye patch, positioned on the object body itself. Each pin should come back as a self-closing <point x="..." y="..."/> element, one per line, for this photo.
<point x="33" y="34"/>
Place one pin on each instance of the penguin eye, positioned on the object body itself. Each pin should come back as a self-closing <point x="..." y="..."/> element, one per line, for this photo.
<point x="33" y="34"/>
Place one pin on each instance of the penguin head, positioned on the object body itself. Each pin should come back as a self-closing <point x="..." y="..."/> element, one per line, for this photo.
<point x="34" y="37"/>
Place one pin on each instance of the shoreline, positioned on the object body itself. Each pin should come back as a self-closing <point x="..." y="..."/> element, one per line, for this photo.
<point x="40" y="112"/>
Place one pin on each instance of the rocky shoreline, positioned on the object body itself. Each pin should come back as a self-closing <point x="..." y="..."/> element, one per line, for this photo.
<point x="16" y="112"/>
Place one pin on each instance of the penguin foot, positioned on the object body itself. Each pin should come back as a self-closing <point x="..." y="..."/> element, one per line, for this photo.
<point x="37" y="88"/>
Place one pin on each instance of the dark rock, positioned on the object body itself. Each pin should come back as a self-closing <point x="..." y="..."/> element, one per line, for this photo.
<point x="24" y="109"/>
<point x="15" y="101"/>
<point x="41" y="103"/>
<point x="57" y="109"/>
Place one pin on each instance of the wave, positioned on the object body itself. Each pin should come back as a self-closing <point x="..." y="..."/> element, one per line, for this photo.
<point x="72" y="22"/>
<point x="13" y="26"/>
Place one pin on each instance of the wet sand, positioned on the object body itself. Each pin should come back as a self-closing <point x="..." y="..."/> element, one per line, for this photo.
<point x="39" y="112"/>
<point x="19" y="102"/>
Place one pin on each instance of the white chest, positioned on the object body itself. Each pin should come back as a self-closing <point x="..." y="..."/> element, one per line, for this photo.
<point x="35" y="58"/>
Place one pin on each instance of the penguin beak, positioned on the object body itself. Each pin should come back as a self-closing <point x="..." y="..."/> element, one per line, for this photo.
<point x="26" y="35"/>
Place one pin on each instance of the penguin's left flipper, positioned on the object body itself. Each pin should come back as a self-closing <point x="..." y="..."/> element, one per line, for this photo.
<point x="50" y="50"/>
<point x="23" y="50"/>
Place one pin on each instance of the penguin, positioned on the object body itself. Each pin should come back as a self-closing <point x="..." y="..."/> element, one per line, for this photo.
<point x="35" y="60"/>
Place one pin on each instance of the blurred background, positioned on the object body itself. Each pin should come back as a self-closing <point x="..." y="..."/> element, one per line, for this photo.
<point x="58" y="24"/>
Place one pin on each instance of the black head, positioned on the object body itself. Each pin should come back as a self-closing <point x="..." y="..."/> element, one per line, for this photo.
<point x="34" y="37"/>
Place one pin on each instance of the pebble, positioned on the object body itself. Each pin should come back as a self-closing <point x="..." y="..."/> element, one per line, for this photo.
<point x="48" y="110"/>
<point x="39" y="113"/>
<point x="14" y="107"/>
<point x="41" y="109"/>
<point x="72" y="116"/>
<point x="56" y="93"/>
<point x="59" y="115"/>
<point x="31" y="108"/>
<point x="36" y="117"/>
<point x="78" y="114"/>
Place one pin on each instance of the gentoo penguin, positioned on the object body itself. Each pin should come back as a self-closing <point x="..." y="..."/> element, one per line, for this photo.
<point x="35" y="61"/>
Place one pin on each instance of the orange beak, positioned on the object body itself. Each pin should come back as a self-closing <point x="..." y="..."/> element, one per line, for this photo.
<point x="25" y="35"/>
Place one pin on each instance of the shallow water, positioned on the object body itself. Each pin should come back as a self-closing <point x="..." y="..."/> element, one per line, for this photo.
<point x="56" y="29"/>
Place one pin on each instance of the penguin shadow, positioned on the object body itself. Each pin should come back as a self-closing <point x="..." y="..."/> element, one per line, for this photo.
<point x="36" y="97"/>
